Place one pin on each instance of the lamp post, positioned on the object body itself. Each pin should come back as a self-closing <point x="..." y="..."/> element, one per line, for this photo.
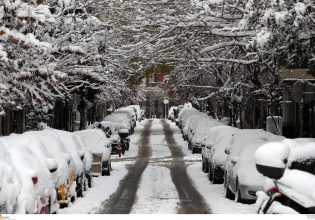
<point x="165" y="105"/>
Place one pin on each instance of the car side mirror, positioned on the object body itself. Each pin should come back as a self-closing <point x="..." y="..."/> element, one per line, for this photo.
<point x="271" y="159"/>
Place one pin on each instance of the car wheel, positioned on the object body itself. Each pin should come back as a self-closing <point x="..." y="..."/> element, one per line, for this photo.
<point x="90" y="182"/>
<point x="127" y="146"/>
<point x="216" y="179"/>
<point x="206" y="166"/>
<point x="203" y="164"/>
<point x="72" y="199"/>
<point x="210" y="173"/>
<point x="107" y="172"/>
<point x="228" y="193"/>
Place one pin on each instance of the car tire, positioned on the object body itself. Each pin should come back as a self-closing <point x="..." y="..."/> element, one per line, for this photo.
<point x="210" y="173"/>
<point x="203" y="164"/>
<point x="90" y="182"/>
<point x="192" y="150"/>
<point x="228" y="193"/>
<point x="206" y="166"/>
<point x="127" y="146"/>
<point x="216" y="180"/>
<point x="238" y="195"/>
<point x="107" y="172"/>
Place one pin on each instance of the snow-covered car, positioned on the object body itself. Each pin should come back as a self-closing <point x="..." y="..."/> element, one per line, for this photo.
<point x="100" y="146"/>
<point x="188" y="124"/>
<point x="46" y="158"/>
<point x="132" y="116"/>
<point x="184" y="115"/>
<point x="173" y="113"/>
<point x="121" y="118"/>
<point x="37" y="188"/>
<point x="213" y="155"/>
<point x="138" y="111"/>
<point x="202" y="129"/>
<point x="241" y="178"/>
<point x="76" y="150"/>
<point x="10" y="183"/>
<point x="108" y="127"/>
<point x="65" y="184"/>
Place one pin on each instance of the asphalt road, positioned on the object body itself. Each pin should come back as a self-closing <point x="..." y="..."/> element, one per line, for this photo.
<point x="190" y="201"/>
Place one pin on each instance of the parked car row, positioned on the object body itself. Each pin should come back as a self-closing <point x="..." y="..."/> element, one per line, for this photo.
<point x="119" y="125"/>
<point x="42" y="171"/>
<point x="228" y="156"/>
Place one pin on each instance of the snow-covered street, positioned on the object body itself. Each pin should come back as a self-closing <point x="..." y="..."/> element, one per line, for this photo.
<point x="157" y="175"/>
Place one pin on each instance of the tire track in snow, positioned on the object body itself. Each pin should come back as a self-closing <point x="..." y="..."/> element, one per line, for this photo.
<point x="122" y="200"/>
<point x="191" y="202"/>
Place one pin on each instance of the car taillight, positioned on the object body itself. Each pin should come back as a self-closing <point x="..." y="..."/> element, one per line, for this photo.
<point x="272" y="190"/>
<point x="34" y="180"/>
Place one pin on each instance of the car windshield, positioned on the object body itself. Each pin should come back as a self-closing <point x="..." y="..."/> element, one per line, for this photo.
<point x="306" y="165"/>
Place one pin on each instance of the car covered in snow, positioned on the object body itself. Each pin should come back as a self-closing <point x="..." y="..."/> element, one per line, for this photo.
<point x="64" y="180"/>
<point x="202" y="128"/>
<point x="10" y="183"/>
<point x="137" y="111"/>
<point x="190" y="124"/>
<point x="74" y="147"/>
<point x="241" y="178"/>
<point x="121" y="118"/>
<point x="132" y="116"/>
<point x="108" y="127"/>
<point x="37" y="189"/>
<point x="213" y="155"/>
<point x="184" y="115"/>
<point x="100" y="145"/>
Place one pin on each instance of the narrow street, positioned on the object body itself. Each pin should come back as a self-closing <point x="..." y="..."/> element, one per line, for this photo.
<point x="187" y="200"/>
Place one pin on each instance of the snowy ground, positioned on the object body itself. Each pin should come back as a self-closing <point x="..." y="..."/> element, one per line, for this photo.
<point x="156" y="192"/>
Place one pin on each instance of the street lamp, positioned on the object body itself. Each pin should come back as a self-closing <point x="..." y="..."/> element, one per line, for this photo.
<point x="165" y="104"/>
